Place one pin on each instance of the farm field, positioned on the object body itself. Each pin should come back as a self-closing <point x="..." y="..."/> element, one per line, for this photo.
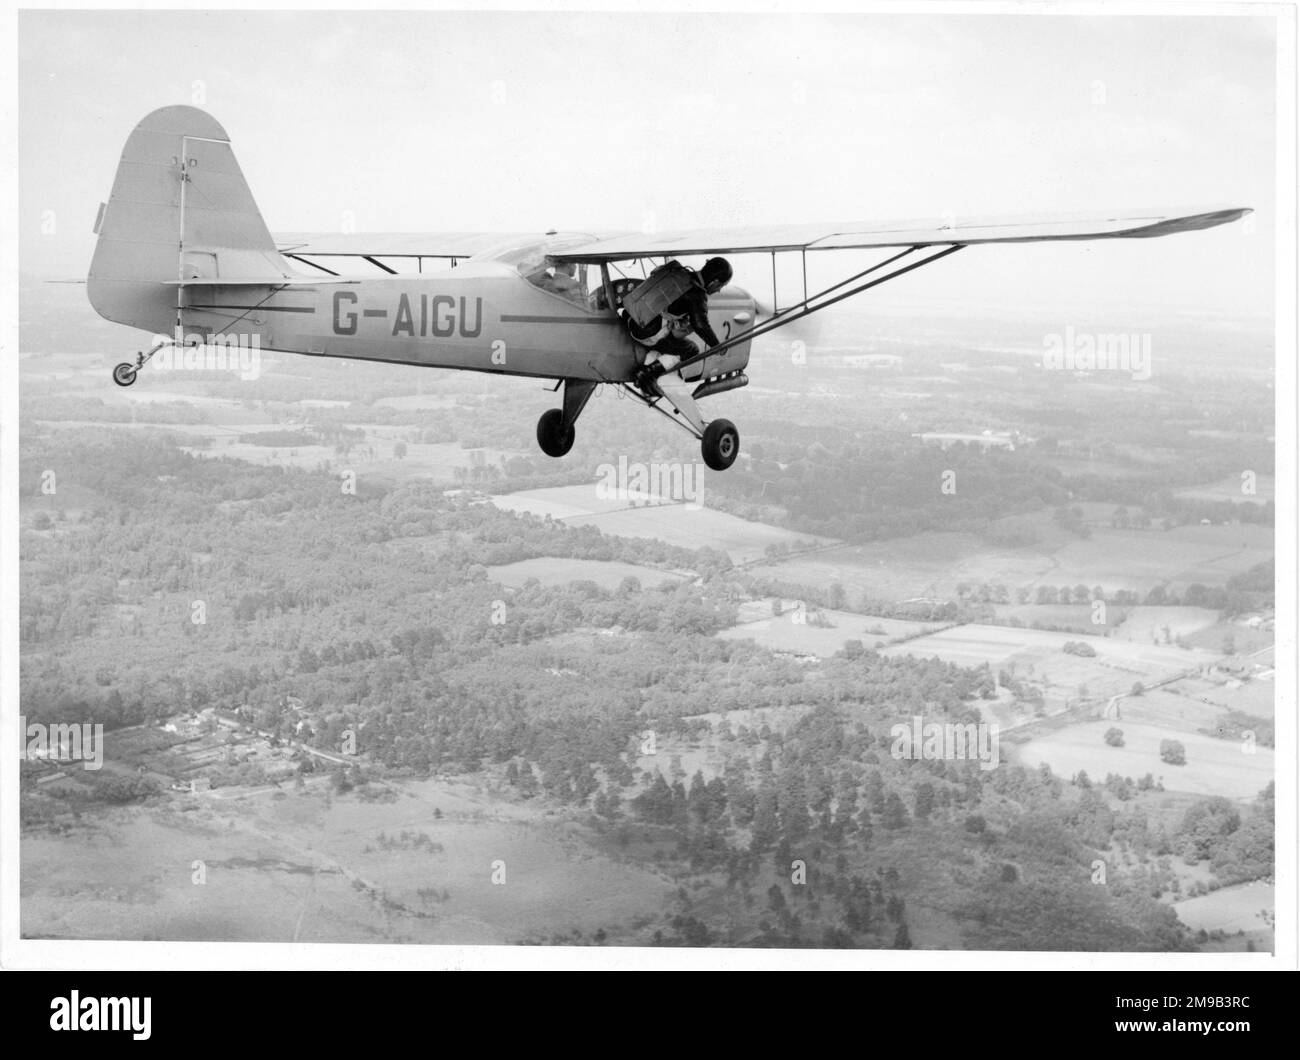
<point x="1149" y="624"/>
<point x="552" y="571"/>
<point x="1165" y="708"/>
<point x="1229" y="489"/>
<point x="925" y="565"/>
<point x="935" y="564"/>
<point x="1255" y="696"/>
<point x="784" y="633"/>
<point x="1214" y="767"/>
<point x="566" y="502"/>
<point x="1077" y="617"/>
<point x="675" y="524"/>
<point x="1142" y="559"/>
<point x="1244" y="640"/>
<point x="1037" y="656"/>
<point x="973" y="644"/>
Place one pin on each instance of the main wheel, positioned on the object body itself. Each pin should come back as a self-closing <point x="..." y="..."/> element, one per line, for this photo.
<point x="554" y="440"/>
<point x="720" y="444"/>
<point x="124" y="374"/>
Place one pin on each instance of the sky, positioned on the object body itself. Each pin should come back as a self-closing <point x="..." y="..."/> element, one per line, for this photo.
<point x="528" y="121"/>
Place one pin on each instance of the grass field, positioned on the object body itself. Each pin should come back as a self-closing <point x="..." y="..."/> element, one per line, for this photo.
<point x="1149" y="624"/>
<point x="1244" y="640"/>
<point x="550" y="570"/>
<point x="935" y="564"/>
<point x="1214" y="767"/>
<point x="784" y="633"/>
<point x="1166" y="708"/>
<point x="301" y="866"/>
<point x="1036" y="656"/>
<point x="1143" y="559"/>
<point x="565" y="502"/>
<point x="973" y="644"/>
<point x="675" y="524"/>
<point x="925" y="565"/>
<point x="1063" y="616"/>
<point x="1229" y="489"/>
<point x="1256" y="696"/>
<point x="1229" y="909"/>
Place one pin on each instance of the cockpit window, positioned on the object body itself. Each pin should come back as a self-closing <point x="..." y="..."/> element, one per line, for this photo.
<point x="577" y="283"/>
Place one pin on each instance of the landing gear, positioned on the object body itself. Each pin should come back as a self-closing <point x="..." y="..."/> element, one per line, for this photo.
<point x="719" y="439"/>
<point x="551" y="435"/>
<point x="555" y="429"/>
<point x="125" y="373"/>
<point x="720" y="444"/>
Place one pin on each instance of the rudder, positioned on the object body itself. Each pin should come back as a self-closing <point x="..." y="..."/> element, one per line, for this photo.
<point x="179" y="209"/>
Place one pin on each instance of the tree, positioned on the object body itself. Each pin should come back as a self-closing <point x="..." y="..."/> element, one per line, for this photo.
<point x="895" y="815"/>
<point x="527" y="781"/>
<point x="1114" y="737"/>
<point x="764" y="827"/>
<point x="1207" y="823"/>
<point x="924" y="796"/>
<point x="1173" y="753"/>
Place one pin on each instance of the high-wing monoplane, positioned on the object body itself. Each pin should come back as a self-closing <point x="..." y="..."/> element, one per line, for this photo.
<point x="183" y="253"/>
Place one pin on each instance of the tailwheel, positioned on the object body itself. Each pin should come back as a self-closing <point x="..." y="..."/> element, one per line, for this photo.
<point x="551" y="435"/>
<point x="720" y="444"/>
<point x="124" y="374"/>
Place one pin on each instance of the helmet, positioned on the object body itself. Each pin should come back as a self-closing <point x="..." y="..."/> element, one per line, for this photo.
<point x="716" y="271"/>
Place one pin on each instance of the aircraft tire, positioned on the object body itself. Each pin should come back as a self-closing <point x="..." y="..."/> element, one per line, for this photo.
<point x="124" y="374"/>
<point x="552" y="440"/>
<point x="720" y="444"/>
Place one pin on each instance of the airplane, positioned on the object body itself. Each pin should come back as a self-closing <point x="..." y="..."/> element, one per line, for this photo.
<point x="182" y="252"/>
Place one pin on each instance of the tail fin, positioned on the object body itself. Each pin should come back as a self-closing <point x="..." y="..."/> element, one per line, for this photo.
<point x="180" y="209"/>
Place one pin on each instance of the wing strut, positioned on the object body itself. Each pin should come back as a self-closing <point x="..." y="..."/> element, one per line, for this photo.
<point x="822" y="300"/>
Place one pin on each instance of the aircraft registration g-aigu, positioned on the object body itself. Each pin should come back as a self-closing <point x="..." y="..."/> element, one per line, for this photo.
<point x="183" y="249"/>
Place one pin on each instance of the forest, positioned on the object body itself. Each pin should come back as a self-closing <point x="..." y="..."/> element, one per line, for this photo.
<point x="158" y="583"/>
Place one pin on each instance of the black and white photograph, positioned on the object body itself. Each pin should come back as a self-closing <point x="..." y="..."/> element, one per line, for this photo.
<point x="608" y="487"/>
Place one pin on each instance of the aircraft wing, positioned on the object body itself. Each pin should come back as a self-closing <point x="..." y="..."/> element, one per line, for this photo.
<point x="1099" y="224"/>
<point x="394" y="244"/>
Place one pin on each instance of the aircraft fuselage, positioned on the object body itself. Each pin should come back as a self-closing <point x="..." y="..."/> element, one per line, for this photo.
<point x="479" y="316"/>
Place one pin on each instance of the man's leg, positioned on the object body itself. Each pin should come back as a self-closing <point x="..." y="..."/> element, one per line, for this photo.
<point x="669" y="353"/>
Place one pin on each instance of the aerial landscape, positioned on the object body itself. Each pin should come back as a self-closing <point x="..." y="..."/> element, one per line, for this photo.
<point x="477" y="502"/>
<point x="371" y="668"/>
